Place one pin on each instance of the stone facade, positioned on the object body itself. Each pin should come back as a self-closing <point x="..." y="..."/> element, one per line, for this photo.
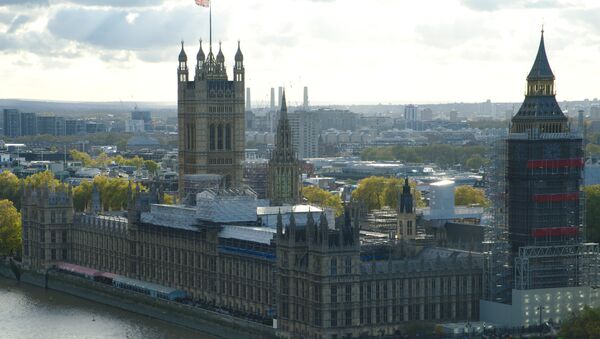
<point x="284" y="169"/>
<point x="317" y="279"/>
<point x="210" y="113"/>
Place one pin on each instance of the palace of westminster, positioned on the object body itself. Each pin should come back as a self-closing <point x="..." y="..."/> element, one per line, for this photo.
<point x="318" y="275"/>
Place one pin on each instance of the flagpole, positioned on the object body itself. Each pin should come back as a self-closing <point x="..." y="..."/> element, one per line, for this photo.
<point x="210" y="24"/>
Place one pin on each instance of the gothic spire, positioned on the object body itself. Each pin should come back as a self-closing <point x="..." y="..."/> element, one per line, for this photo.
<point x="238" y="55"/>
<point x="406" y="198"/>
<point x="541" y="67"/>
<point x="182" y="55"/>
<point x="200" y="57"/>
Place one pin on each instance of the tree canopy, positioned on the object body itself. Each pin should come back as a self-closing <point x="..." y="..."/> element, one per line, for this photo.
<point x="469" y="195"/>
<point x="584" y="324"/>
<point x="10" y="188"/>
<point x="322" y="198"/>
<point x="377" y="192"/>
<point x="10" y="228"/>
<point x="592" y="212"/>
<point x="103" y="160"/>
<point x="113" y="193"/>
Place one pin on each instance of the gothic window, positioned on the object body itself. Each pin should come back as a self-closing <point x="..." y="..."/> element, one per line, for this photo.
<point x="333" y="294"/>
<point x="212" y="136"/>
<point x="228" y="136"/>
<point x="220" y="137"/>
<point x="333" y="266"/>
<point x="348" y="265"/>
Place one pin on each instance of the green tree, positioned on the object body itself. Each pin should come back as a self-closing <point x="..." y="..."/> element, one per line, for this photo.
<point x="42" y="179"/>
<point x="10" y="188"/>
<point x="82" y="195"/>
<point x="377" y="192"/>
<point x="85" y="158"/>
<point x="322" y="198"/>
<point x="475" y="162"/>
<point x="151" y="166"/>
<point x="592" y="212"/>
<point x="584" y="324"/>
<point x="469" y="195"/>
<point x="10" y="228"/>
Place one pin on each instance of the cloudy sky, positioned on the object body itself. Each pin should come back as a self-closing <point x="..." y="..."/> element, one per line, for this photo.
<point x="346" y="51"/>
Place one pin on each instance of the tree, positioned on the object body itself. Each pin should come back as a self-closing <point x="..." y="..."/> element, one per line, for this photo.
<point x="10" y="228"/>
<point x="82" y="195"/>
<point x="475" y="162"/>
<point x="322" y="198"/>
<point x="42" y="179"/>
<point x="10" y="188"/>
<point x="469" y="195"/>
<point x="85" y="158"/>
<point x="377" y="192"/>
<point x="151" y="166"/>
<point x="584" y="324"/>
<point x="592" y="212"/>
<point x="168" y="199"/>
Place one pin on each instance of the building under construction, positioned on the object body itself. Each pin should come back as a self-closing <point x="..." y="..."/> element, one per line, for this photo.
<point x="541" y="253"/>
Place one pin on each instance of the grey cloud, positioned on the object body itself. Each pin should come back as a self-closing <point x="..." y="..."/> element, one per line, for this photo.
<point x="118" y="3"/>
<point x="153" y="35"/>
<point x="23" y="3"/>
<point x="493" y="5"/>
<point x="17" y="23"/>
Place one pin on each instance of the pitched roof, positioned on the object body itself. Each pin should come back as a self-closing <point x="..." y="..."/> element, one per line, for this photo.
<point x="541" y="67"/>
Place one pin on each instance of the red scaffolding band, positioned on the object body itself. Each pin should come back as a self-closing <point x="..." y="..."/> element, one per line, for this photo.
<point x="553" y="232"/>
<point x="556" y="197"/>
<point x="555" y="163"/>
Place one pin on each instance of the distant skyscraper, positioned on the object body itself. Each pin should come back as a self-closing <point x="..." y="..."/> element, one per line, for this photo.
<point x="211" y="117"/>
<point x="272" y="99"/>
<point x="248" y="100"/>
<point x="305" y="101"/>
<point x="410" y="115"/>
<point x="305" y="133"/>
<point x="145" y="116"/>
<point x="426" y="114"/>
<point x="284" y="170"/>
<point x="51" y="125"/>
<point x="12" y="123"/>
<point x="28" y="124"/>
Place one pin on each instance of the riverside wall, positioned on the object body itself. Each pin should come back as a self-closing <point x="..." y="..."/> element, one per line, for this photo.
<point x="209" y="322"/>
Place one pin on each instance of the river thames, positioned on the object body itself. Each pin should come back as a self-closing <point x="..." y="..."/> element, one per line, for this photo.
<point x="30" y="312"/>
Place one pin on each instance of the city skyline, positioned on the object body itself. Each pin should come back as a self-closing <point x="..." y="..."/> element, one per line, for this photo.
<point x="101" y="50"/>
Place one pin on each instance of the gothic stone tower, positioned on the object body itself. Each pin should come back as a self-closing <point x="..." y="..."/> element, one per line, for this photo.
<point x="407" y="218"/>
<point x="210" y="114"/>
<point x="47" y="217"/>
<point x="318" y="278"/>
<point x="543" y="174"/>
<point x="284" y="177"/>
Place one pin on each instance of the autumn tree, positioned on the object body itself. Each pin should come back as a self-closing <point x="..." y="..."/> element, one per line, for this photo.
<point x="469" y="195"/>
<point x="42" y="179"/>
<point x="10" y="188"/>
<point x="322" y="198"/>
<point x="377" y="192"/>
<point x="10" y="228"/>
<point x="592" y="212"/>
<point x="113" y="193"/>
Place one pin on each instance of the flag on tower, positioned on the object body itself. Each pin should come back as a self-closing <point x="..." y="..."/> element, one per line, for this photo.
<point x="203" y="3"/>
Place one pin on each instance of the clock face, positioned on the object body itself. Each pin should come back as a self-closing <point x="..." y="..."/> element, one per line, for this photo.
<point x="552" y="151"/>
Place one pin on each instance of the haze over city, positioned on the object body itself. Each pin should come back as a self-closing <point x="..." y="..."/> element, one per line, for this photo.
<point x="347" y="52"/>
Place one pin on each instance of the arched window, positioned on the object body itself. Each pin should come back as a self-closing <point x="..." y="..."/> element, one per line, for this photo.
<point x="220" y="137"/>
<point x="212" y="136"/>
<point x="228" y="136"/>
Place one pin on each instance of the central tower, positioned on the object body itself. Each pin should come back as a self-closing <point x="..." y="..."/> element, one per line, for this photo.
<point x="210" y="115"/>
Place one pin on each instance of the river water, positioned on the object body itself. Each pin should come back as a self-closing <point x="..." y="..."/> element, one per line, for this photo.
<point x="31" y="312"/>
